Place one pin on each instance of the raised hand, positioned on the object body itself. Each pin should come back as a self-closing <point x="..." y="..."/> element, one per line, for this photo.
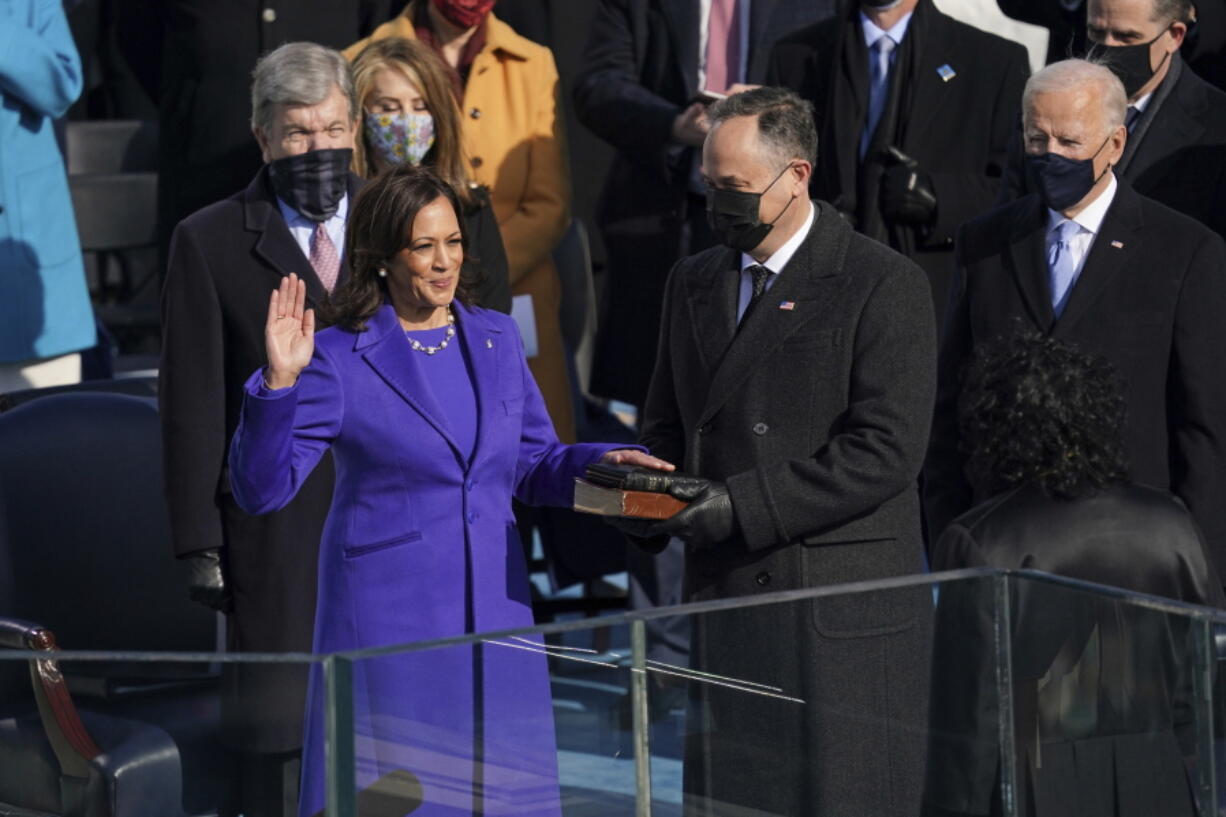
<point x="289" y="334"/>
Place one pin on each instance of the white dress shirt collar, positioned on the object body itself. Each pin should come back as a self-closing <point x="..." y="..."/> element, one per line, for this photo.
<point x="1091" y="218"/>
<point x="775" y="263"/>
<point x="301" y="227"/>
<point x="872" y="33"/>
<point x="780" y="258"/>
<point x="1142" y="103"/>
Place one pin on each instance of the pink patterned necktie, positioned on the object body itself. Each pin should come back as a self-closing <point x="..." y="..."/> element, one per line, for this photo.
<point x="324" y="258"/>
<point x="723" y="46"/>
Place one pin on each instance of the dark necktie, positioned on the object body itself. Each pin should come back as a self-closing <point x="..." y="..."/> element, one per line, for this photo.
<point x="1130" y="118"/>
<point x="760" y="276"/>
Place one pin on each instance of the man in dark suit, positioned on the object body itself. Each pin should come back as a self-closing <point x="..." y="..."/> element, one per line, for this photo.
<point x="225" y="261"/>
<point x="796" y="374"/>
<point x="1176" y="151"/>
<point x="193" y="58"/>
<point x="1090" y="262"/>
<point x="639" y="90"/>
<point x="915" y="111"/>
<point x="647" y="61"/>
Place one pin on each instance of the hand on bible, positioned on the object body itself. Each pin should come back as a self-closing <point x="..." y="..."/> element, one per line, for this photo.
<point x="289" y="334"/>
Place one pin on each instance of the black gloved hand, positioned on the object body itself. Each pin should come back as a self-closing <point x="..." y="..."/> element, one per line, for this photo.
<point x="643" y="533"/>
<point x="708" y="521"/>
<point x="907" y="196"/>
<point x="206" y="583"/>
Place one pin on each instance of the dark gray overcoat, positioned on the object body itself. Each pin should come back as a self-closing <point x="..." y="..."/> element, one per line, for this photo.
<point x="817" y="417"/>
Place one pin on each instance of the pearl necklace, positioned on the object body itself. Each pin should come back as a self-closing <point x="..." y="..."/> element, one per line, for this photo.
<point x="418" y="346"/>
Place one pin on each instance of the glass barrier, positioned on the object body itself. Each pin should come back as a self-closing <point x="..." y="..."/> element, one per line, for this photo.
<point x="976" y="692"/>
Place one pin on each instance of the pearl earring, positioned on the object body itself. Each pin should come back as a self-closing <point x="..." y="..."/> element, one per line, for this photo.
<point x="382" y="272"/>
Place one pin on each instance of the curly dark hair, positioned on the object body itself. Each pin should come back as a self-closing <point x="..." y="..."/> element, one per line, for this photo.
<point x="379" y="226"/>
<point x="1035" y="410"/>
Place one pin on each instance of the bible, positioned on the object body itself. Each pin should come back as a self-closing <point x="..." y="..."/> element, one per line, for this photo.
<point x="612" y="501"/>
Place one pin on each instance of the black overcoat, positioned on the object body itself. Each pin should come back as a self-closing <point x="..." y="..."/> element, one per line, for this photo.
<point x="955" y="120"/>
<point x="640" y="71"/>
<point x="1101" y="688"/>
<point x="816" y="416"/>
<point x="1150" y="299"/>
<point x="225" y="261"/>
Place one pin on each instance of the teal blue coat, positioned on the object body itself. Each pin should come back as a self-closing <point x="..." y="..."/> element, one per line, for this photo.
<point x="45" y="310"/>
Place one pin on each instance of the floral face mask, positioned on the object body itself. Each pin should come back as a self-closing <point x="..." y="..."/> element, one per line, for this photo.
<point x="400" y="137"/>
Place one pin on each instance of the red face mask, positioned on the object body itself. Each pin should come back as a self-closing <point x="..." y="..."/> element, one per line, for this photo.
<point x="464" y="13"/>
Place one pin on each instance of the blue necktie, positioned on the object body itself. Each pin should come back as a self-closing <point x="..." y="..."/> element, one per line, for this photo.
<point x="1061" y="265"/>
<point x="878" y="87"/>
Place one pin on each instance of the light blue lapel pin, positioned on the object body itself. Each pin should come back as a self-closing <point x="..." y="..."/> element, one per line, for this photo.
<point x="946" y="72"/>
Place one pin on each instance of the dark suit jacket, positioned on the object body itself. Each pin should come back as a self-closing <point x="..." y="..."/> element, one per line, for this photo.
<point x="816" y="418"/>
<point x="225" y="260"/>
<point x="1104" y="685"/>
<point x="958" y="129"/>
<point x="1150" y="299"/>
<point x="640" y="72"/>
<point x="1179" y="156"/>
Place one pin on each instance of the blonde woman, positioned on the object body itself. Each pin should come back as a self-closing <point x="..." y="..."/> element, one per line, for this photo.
<point x="411" y="117"/>
<point x="507" y="89"/>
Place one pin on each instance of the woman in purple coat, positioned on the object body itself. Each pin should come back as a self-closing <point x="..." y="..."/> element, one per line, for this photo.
<point x="434" y="423"/>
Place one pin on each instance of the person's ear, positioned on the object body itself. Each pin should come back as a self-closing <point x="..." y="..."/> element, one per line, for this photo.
<point x="1119" y="139"/>
<point x="802" y="172"/>
<point x="1179" y="32"/>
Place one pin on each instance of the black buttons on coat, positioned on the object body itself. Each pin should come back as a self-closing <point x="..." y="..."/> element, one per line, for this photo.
<point x="760" y="428"/>
<point x="763" y="578"/>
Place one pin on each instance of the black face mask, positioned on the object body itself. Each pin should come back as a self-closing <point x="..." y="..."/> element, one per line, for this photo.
<point x="1128" y="62"/>
<point x="312" y="183"/>
<point x="880" y="5"/>
<point x="733" y="215"/>
<point x="1062" y="182"/>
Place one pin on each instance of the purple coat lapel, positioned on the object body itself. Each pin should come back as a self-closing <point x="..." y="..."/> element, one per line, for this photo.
<point x="383" y="347"/>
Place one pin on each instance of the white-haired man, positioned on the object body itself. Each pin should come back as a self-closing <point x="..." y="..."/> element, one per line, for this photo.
<point x="1176" y="151"/>
<point x="224" y="260"/>
<point x="1089" y="261"/>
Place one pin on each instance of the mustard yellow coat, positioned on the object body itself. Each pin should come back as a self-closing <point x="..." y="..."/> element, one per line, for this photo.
<point x="515" y="145"/>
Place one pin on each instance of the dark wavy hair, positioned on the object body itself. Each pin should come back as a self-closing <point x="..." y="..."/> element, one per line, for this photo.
<point x="380" y="225"/>
<point x="1035" y="410"/>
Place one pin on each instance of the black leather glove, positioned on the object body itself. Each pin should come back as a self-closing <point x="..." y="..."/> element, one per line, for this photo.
<point x="907" y="196"/>
<point x="643" y="533"/>
<point x="206" y="583"/>
<point x="708" y="521"/>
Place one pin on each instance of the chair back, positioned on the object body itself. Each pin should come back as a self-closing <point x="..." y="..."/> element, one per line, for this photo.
<point x="86" y="529"/>
<point x="111" y="146"/>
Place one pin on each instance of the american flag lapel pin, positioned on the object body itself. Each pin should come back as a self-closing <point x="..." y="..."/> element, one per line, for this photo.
<point x="787" y="306"/>
<point x="1119" y="245"/>
<point x="946" y="72"/>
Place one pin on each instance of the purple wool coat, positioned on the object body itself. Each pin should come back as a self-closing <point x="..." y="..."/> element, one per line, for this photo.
<point x="420" y="544"/>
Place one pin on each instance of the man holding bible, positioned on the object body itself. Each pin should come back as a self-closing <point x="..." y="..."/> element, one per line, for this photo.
<point x="796" y="375"/>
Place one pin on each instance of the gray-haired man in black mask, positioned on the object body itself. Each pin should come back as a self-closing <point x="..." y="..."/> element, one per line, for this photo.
<point x="1176" y="122"/>
<point x="224" y="260"/>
